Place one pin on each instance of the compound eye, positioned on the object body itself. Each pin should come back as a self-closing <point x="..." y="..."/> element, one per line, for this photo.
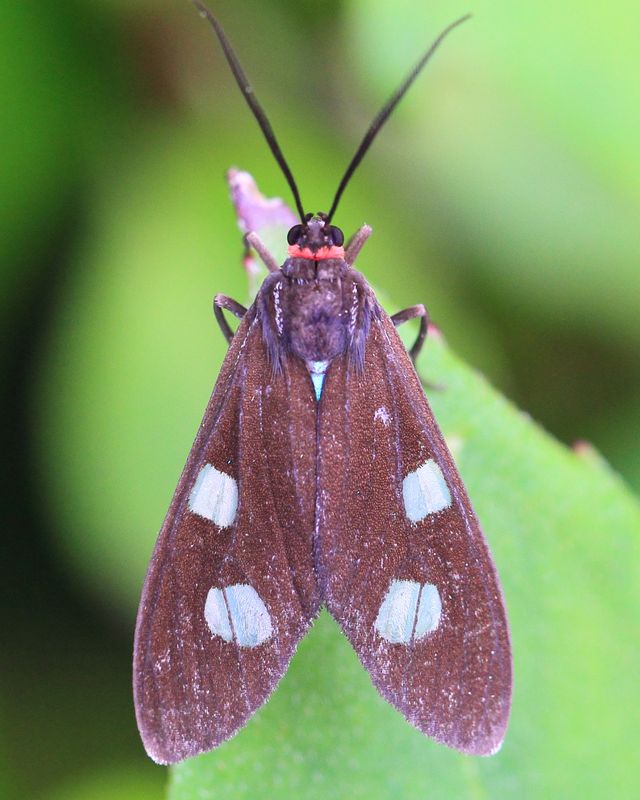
<point x="294" y="234"/>
<point x="337" y="236"/>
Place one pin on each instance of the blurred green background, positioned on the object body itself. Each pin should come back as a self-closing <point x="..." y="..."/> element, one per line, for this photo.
<point x="505" y="194"/>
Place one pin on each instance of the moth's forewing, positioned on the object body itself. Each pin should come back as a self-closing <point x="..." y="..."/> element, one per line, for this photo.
<point x="407" y="572"/>
<point x="230" y="591"/>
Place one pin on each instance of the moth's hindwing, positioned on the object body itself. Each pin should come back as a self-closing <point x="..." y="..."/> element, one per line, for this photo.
<point x="406" y="570"/>
<point x="231" y="587"/>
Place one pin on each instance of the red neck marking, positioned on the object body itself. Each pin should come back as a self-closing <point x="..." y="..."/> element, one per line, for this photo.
<point x="295" y="251"/>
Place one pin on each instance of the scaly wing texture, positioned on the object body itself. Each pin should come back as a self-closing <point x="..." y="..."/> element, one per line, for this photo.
<point x="403" y="563"/>
<point x="231" y="587"/>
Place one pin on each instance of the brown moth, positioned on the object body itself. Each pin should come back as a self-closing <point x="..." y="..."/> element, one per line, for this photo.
<point x="319" y="477"/>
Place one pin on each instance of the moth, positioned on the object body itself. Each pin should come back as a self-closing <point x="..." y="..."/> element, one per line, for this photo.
<point x="319" y="477"/>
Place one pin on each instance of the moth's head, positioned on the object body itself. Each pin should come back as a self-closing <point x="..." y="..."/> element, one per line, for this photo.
<point x="315" y="238"/>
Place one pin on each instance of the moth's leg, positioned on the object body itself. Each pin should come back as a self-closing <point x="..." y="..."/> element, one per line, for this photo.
<point x="260" y="247"/>
<point x="356" y="243"/>
<point x="221" y="301"/>
<point x="412" y="313"/>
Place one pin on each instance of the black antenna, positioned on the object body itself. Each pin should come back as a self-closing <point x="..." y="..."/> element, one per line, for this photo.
<point x="253" y="103"/>
<point x="385" y="111"/>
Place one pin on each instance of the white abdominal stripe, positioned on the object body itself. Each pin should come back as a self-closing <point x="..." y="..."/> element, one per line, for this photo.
<point x="214" y="496"/>
<point x="237" y="614"/>
<point x="425" y="491"/>
<point x="409" y="611"/>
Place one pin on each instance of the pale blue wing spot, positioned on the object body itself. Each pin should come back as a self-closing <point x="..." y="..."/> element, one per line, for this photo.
<point x="197" y="496"/>
<point x="216" y="616"/>
<point x="429" y="611"/>
<point x="396" y="617"/>
<point x="425" y="492"/>
<point x="214" y="496"/>
<point x="249" y="616"/>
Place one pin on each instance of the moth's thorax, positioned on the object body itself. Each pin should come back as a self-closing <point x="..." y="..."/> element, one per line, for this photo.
<point x="301" y="271"/>
<point x="316" y="298"/>
<point x="315" y="310"/>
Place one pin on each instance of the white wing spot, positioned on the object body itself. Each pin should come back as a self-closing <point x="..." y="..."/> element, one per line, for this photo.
<point x="408" y="611"/>
<point x="214" y="496"/>
<point x="237" y="613"/>
<point x="383" y="415"/>
<point x="425" y="492"/>
<point x="429" y="611"/>
<point x="217" y="616"/>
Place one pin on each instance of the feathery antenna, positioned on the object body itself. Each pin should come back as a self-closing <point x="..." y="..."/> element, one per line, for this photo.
<point x="385" y="112"/>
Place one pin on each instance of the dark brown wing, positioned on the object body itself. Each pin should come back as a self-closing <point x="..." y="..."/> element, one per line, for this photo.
<point x="406" y="570"/>
<point x="231" y="587"/>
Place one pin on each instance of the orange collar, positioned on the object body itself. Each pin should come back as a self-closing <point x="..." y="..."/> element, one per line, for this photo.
<point x="295" y="251"/>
